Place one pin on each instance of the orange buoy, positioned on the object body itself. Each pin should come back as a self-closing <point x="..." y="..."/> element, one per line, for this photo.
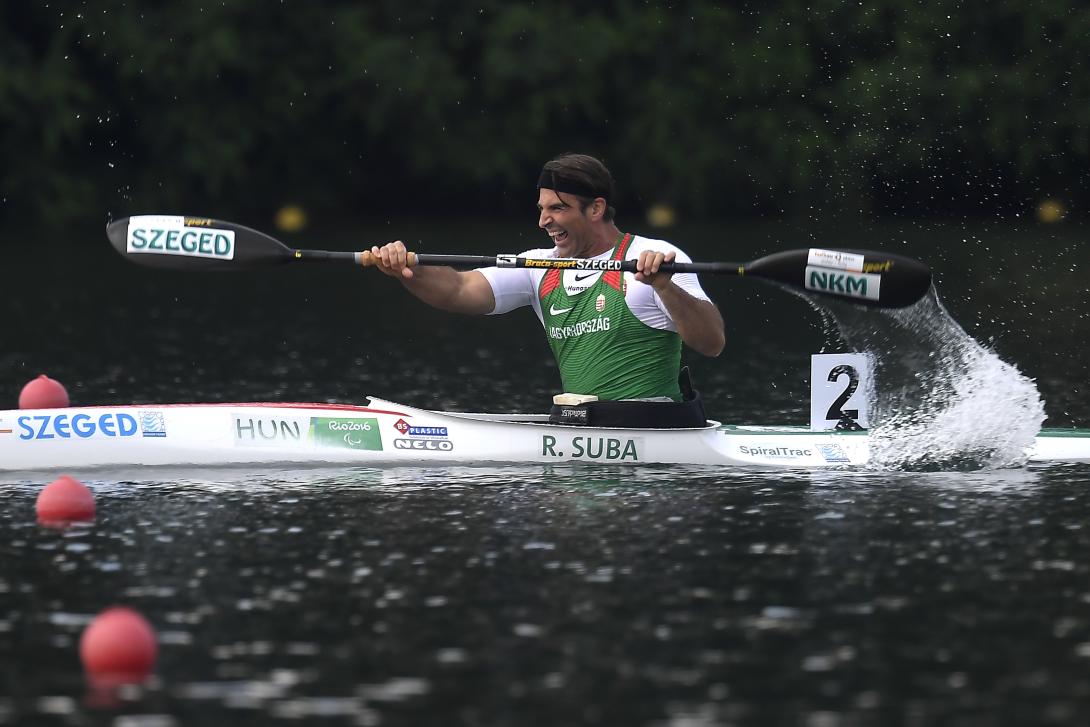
<point x="118" y="646"/>
<point x="43" y="393"/>
<point x="65" y="500"/>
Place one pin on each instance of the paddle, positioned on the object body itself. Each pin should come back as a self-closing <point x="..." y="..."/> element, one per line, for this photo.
<point x="865" y="277"/>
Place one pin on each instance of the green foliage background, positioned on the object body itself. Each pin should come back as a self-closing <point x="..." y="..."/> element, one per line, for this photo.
<point x="787" y="108"/>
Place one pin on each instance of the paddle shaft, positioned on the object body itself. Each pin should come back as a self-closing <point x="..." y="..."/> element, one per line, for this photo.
<point x="513" y="261"/>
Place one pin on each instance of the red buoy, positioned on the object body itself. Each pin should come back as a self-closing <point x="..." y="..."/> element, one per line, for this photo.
<point x="43" y="393"/>
<point x="65" y="500"/>
<point x="118" y="646"/>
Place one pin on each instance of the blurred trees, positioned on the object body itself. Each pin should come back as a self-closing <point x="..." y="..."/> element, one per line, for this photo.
<point x="787" y="107"/>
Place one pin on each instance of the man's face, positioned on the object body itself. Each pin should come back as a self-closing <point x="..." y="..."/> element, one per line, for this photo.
<point x="567" y="225"/>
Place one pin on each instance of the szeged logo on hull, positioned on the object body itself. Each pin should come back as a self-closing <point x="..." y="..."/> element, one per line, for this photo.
<point x="109" y="425"/>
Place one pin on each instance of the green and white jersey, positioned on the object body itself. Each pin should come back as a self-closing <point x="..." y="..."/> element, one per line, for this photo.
<point x="611" y="336"/>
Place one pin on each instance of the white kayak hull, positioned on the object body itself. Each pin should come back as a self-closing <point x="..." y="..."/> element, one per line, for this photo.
<point x="384" y="434"/>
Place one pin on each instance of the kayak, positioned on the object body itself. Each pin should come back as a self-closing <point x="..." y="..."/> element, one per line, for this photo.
<point x="383" y="433"/>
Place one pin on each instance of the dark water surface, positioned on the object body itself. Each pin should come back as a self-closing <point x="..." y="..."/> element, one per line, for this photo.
<point x="542" y="596"/>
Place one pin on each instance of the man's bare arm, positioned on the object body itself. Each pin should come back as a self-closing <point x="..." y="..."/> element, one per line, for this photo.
<point x="698" y="321"/>
<point x="439" y="287"/>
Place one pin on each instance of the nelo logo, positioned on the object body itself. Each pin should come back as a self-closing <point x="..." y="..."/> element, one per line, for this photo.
<point x="425" y="445"/>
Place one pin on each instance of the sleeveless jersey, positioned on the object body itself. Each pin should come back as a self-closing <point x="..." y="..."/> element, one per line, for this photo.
<point x="601" y="347"/>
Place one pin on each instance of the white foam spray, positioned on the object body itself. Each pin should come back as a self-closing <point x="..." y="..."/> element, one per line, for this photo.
<point x="942" y="401"/>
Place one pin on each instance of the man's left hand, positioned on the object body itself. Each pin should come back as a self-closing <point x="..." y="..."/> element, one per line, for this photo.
<point x="647" y="266"/>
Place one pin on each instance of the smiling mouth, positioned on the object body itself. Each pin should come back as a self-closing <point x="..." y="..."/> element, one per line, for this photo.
<point x="558" y="236"/>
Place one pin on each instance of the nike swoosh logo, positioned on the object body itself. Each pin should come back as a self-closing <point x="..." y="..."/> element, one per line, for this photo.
<point x="554" y="312"/>
<point x="584" y="277"/>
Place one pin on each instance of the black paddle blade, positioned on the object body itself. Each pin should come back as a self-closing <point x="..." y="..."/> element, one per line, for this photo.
<point x="178" y="242"/>
<point x="866" y="277"/>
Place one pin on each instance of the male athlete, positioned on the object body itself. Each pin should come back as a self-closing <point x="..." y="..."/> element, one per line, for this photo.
<point x="615" y="335"/>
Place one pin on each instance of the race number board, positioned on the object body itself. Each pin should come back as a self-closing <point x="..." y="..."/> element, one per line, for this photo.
<point x="840" y="385"/>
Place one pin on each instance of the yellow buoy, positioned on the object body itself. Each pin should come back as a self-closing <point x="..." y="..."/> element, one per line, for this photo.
<point x="1051" y="210"/>
<point x="661" y="215"/>
<point x="291" y="218"/>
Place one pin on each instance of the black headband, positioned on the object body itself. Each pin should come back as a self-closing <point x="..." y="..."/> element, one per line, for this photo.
<point x="560" y="183"/>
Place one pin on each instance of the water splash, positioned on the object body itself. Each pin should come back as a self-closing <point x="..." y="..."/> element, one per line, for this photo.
<point x="941" y="400"/>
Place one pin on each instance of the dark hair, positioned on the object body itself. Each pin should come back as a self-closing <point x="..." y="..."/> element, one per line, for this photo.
<point x="583" y="176"/>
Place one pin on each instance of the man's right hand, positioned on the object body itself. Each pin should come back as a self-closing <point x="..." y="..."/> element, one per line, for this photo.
<point x="392" y="259"/>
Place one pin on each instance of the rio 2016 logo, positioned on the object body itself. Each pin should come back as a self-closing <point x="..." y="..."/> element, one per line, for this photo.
<point x="346" y="433"/>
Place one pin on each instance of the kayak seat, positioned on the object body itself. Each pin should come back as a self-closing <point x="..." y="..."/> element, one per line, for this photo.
<point x="635" y="414"/>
